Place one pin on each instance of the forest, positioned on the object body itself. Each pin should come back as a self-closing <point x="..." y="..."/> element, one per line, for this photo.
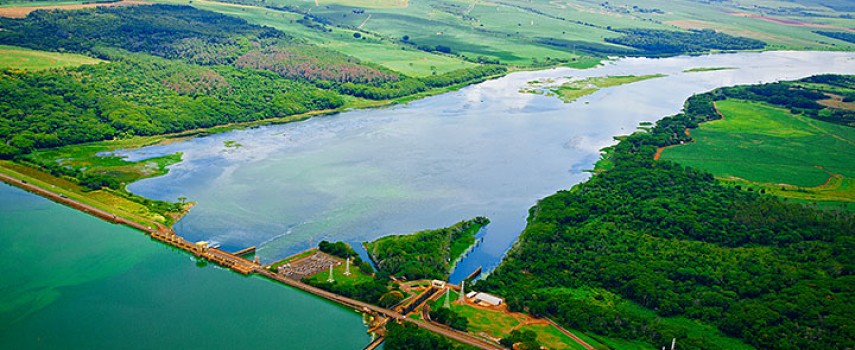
<point x="425" y="254"/>
<point x="176" y="68"/>
<point x="845" y="36"/>
<point x="645" y="244"/>
<point x="667" y="42"/>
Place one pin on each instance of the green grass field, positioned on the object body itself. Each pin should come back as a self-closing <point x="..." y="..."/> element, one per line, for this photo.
<point x="768" y="147"/>
<point x="369" y="48"/>
<point x="14" y="57"/>
<point x="552" y="338"/>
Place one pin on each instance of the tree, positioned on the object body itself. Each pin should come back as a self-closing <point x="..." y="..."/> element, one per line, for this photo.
<point x="357" y="35"/>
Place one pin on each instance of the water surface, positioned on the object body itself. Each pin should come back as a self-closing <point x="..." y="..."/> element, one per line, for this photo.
<point x="484" y="150"/>
<point x="71" y="281"/>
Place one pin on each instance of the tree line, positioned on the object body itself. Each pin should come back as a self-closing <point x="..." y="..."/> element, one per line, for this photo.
<point x="669" y="42"/>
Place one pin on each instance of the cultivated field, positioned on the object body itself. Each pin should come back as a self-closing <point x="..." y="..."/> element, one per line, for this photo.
<point x="14" y="57"/>
<point x="21" y="10"/>
<point x="772" y="149"/>
<point x="369" y="48"/>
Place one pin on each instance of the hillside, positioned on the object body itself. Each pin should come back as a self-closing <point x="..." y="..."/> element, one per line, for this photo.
<point x="653" y="250"/>
<point x="176" y="68"/>
<point x="539" y="33"/>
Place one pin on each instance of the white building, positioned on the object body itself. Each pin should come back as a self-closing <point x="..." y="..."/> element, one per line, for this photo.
<point x="487" y="298"/>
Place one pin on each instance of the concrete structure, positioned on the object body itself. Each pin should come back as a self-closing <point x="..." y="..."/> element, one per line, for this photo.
<point x="488" y="299"/>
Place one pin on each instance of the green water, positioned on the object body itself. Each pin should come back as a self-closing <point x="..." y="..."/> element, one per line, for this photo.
<point x="71" y="281"/>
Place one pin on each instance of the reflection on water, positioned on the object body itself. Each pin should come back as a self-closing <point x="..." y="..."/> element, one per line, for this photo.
<point x="485" y="150"/>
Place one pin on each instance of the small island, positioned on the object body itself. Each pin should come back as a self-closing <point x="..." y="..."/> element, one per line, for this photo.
<point x="576" y="89"/>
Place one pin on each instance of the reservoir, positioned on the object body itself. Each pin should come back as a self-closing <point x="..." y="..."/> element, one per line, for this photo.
<point x="484" y="150"/>
<point x="74" y="282"/>
<point x="71" y="281"/>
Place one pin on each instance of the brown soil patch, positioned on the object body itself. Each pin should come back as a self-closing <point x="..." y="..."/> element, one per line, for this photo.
<point x="660" y="149"/>
<point x="789" y="22"/>
<point x="836" y="101"/>
<point x="23" y="11"/>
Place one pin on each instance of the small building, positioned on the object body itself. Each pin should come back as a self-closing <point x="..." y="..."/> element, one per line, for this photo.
<point x="488" y="299"/>
<point x="437" y="284"/>
<point x="471" y="295"/>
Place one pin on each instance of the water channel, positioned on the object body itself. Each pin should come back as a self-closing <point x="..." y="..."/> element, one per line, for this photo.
<point x="73" y="281"/>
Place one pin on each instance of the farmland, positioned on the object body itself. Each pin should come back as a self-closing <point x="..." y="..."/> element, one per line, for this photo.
<point x="22" y="58"/>
<point x="543" y="33"/>
<point x="767" y="147"/>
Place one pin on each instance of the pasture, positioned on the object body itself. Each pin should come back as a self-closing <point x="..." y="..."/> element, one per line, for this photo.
<point x="774" y="150"/>
<point x="368" y="48"/>
<point x="13" y="57"/>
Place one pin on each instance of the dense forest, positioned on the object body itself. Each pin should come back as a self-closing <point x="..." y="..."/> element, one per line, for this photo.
<point x="667" y="42"/>
<point x="176" y="68"/>
<point x="426" y="254"/>
<point x="654" y="235"/>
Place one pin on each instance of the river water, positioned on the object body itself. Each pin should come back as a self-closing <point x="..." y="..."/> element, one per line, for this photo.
<point x="484" y="150"/>
<point x="73" y="281"/>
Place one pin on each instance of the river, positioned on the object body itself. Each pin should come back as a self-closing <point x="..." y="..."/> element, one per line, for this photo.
<point x="73" y="281"/>
<point x="484" y="150"/>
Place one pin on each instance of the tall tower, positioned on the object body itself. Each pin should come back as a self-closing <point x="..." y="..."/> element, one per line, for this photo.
<point x="447" y="303"/>
<point x="347" y="268"/>
<point x="462" y="295"/>
<point x="331" y="279"/>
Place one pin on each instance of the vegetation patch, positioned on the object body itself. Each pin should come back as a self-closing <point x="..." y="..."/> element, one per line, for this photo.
<point x="426" y="254"/>
<point x="572" y="91"/>
<point x="134" y="208"/>
<point x="653" y="41"/>
<point x="12" y="57"/>
<point x="706" y="69"/>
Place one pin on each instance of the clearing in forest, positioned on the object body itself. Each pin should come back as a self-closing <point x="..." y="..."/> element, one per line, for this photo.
<point x="15" y="57"/>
